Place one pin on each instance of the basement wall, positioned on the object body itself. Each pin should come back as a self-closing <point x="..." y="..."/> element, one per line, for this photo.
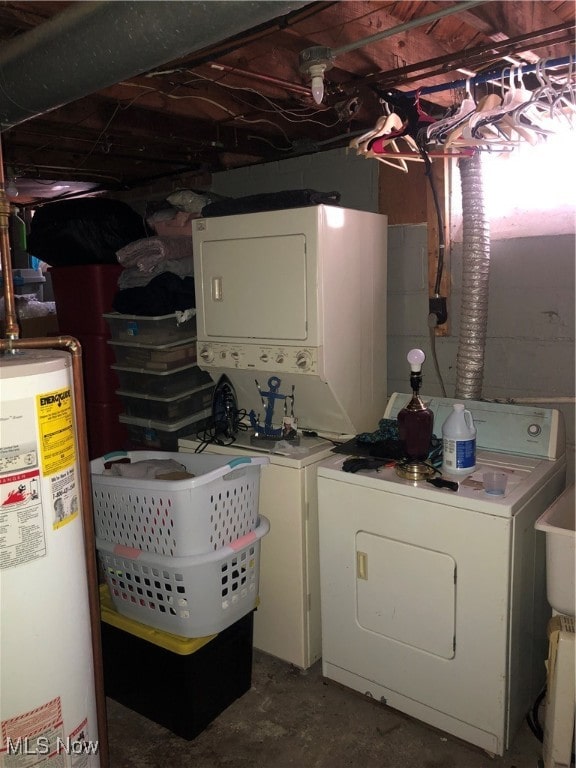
<point x="531" y="320"/>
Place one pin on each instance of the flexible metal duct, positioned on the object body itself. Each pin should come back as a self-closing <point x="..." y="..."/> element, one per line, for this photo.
<point x="93" y="45"/>
<point x="475" y="274"/>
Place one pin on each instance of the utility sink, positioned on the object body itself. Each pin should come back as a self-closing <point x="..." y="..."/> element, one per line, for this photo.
<point x="558" y="522"/>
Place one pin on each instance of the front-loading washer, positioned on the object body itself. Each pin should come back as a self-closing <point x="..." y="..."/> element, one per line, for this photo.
<point x="434" y="601"/>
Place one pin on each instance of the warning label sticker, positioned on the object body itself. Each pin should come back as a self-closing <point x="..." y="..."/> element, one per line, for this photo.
<point x="64" y="497"/>
<point x="30" y="740"/>
<point x="56" y="428"/>
<point x="22" y="536"/>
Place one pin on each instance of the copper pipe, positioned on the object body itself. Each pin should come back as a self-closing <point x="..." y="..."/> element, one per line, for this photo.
<point x="12" y="330"/>
<point x="72" y="345"/>
<point x="11" y="344"/>
<point x="285" y="84"/>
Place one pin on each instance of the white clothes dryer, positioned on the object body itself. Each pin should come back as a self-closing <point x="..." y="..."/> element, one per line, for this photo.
<point x="434" y="601"/>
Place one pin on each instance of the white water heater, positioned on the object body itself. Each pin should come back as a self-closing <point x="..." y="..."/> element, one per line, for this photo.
<point x="47" y="690"/>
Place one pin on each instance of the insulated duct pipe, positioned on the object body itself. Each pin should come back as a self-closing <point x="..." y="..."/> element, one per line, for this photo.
<point x="475" y="274"/>
<point x="93" y="45"/>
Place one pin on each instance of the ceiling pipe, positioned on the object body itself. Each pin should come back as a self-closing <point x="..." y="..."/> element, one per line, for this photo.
<point x="316" y="60"/>
<point x="268" y="79"/>
<point x="95" y="44"/>
<point x="458" y="7"/>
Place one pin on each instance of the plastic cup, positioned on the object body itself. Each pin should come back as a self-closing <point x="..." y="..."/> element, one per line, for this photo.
<point x="495" y="483"/>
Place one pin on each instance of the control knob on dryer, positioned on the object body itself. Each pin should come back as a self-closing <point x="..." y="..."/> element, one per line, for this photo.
<point x="207" y="354"/>
<point x="303" y="360"/>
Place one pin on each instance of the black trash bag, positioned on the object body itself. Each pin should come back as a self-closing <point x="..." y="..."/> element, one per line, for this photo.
<point x="86" y="231"/>
<point x="270" y="201"/>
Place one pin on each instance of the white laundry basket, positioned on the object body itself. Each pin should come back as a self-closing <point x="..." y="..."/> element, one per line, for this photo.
<point x="190" y="596"/>
<point x="177" y="518"/>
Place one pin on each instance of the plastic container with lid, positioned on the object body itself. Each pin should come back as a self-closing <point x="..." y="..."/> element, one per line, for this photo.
<point x="162" y="357"/>
<point x="26" y="282"/>
<point x="172" y="408"/>
<point x="164" y="435"/>
<point x="153" y="330"/>
<point x="459" y="442"/>
<point x="176" y="381"/>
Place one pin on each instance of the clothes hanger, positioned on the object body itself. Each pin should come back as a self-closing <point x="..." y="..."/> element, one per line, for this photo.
<point x="437" y="132"/>
<point x="488" y="124"/>
<point x="387" y="127"/>
<point x="565" y="104"/>
<point x="430" y="153"/>
<point x="537" y="113"/>
<point x="384" y="147"/>
<point x="357" y="141"/>
<point x="522" y="96"/>
<point x="395" y="159"/>
<point x="461" y="136"/>
<point x="379" y="144"/>
<point x="514" y="97"/>
<point x="389" y="124"/>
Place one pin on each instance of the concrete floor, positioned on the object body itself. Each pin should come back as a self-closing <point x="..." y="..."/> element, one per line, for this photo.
<point x="291" y="718"/>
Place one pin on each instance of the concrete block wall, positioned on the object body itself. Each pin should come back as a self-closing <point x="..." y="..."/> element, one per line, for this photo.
<point x="531" y="326"/>
<point x="529" y="353"/>
<point x="354" y="177"/>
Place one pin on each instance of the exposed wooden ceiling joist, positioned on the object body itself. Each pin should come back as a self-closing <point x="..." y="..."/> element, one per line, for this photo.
<point x="244" y="100"/>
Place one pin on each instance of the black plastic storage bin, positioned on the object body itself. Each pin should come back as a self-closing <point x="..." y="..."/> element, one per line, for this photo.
<point x="184" y="692"/>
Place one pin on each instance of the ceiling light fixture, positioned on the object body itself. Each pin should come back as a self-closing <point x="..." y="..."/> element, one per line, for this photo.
<point x="317" y="74"/>
<point x="314" y="62"/>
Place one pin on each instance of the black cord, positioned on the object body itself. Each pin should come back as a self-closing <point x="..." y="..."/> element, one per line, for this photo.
<point x="441" y="238"/>
<point x="533" y="720"/>
<point x="210" y="437"/>
<point x="313" y="433"/>
<point x="213" y="434"/>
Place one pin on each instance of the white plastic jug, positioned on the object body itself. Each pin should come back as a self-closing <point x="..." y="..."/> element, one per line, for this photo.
<point x="459" y="442"/>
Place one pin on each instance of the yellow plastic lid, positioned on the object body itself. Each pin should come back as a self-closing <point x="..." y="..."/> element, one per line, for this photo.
<point x="175" y="643"/>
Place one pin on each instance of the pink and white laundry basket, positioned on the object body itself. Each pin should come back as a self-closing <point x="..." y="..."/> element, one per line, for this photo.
<point x="180" y="554"/>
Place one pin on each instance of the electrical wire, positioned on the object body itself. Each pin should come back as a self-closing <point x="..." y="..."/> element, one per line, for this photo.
<point x="282" y="111"/>
<point x="263" y="120"/>
<point x="102" y="132"/>
<point x="432" y="318"/>
<point x="432" y="324"/>
<point x="533" y="719"/>
<point x="213" y="435"/>
<point x="289" y="148"/>
<point x="217" y="104"/>
<point x="303" y="115"/>
<point x="194" y="96"/>
<point x="441" y="238"/>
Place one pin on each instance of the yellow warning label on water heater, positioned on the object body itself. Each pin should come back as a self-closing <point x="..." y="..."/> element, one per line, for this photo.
<point x="56" y="428"/>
